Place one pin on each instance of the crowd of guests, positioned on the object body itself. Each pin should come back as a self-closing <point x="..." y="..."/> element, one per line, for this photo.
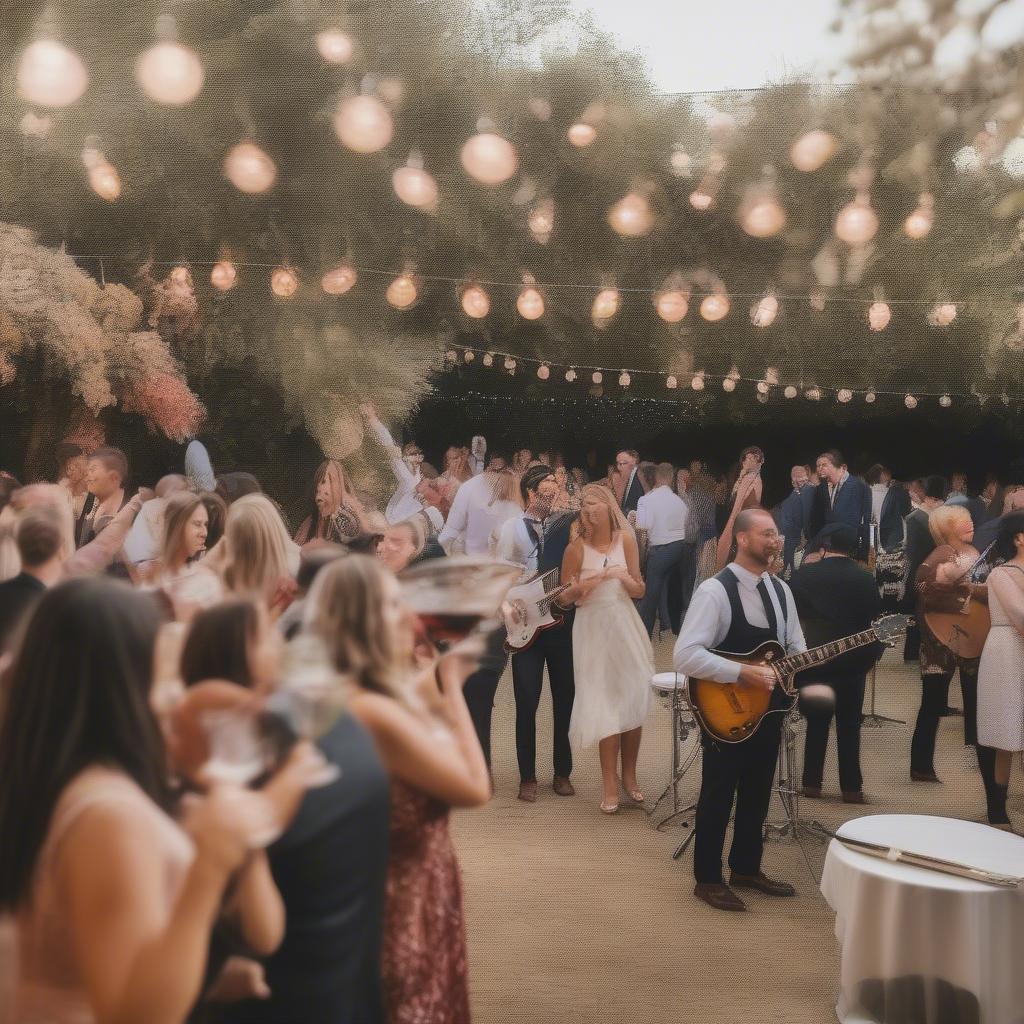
<point x="146" y="637"/>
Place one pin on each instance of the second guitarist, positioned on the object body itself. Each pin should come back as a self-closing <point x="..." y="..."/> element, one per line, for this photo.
<point x="736" y="611"/>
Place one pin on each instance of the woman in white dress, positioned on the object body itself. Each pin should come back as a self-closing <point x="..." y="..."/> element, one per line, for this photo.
<point x="1001" y="674"/>
<point x="612" y="658"/>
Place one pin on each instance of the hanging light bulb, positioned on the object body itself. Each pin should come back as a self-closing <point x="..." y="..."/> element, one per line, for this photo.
<point x="942" y="315"/>
<point x="920" y="222"/>
<point x="816" y="299"/>
<point x="414" y="186"/>
<point x="857" y="222"/>
<point x="530" y="302"/>
<point x="844" y="395"/>
<point x="541" y="220"/>
<point x="763" y="387"/>
<point x="475" y="302"/>
<point x="671" y="382"/>
<point x="681" y="163"/>
<point x="910" y="401"/>
<point x="771" y="376"/>
<point x="105" y="181"/>
<point x="489" y="158"/>
<point x="488" y="359"/>
<point x="728" y="384"/>
<point x="540" y="108"/>
<point x="339" y="280"/>
<point x="597" y="377"/>
<point x="50" y="75"/>
<point x="249" y="169"/>
<point x="763" y="312"/>
<point x="701" y="199"/>
<point x="510" y="365"/>
<point x="879" y="315"/>
<point x="543" y="371"/>
<point x="469" y="355"/>
<point x="334" y="46"/>
<point x="945" y="401"/>
<point x="672" y="304"/>
<point x="581" y="135"/>
<point x="170" y="74"/>
<point x="813" y="394"/>
<point x="714" y="307"/>
<point x="224" y="275"/>
<point x="34" y="126"/>
<point x="812" y="150"/>
<point x="790" y="391"/>
<point x="570" y="375"/>
<point x="631" y="216"/>
<point x="363" y="124"/>
<point x="869" y="397"/>
<point x="283" y="282"/>
<point x="760" y="214"/>
<point x="402" y="293"/>
<point x="606" y="305"/>
<point x="698" y="381"/>
<point x="624" y="379"/>
<point x="450" y="356"/>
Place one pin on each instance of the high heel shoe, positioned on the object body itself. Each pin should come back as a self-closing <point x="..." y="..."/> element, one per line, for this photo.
<point x="608" y="808"/>
<point x="635" y="796"/>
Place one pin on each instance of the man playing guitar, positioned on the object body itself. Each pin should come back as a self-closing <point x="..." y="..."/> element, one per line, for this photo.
<point x="734" y="612"/>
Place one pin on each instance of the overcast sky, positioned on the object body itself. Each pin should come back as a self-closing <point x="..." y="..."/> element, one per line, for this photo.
<point x="696" y="45"/>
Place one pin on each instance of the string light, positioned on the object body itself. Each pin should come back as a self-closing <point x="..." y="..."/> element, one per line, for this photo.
<point x="920" y="222"/>
<point x="543" y="371"/>
<point x="879" y="315"/>
<point x="530" y="302"/>
<point x="570" y="375"/>
<point x="681" y="163"/>
<point x="284" y="282"/>
<point x="812" y="150"/>
<point x="760" y="214"/>
<point x="631" y="216"/>
<point x="790" y="391"/>
<point x="698" y="381"/>
<point x="249" y="169"/>
<point x="869" y="397"/>
<point x="105" y="181"/>
<point x="624" y="379"/>
<point x="942" y="315"/>
<point x="672" y="304"/>
<point x="363" y="124"/>
<point x="701" y="199"/>
<point x="763" y="313"/>
<point x="945" y="401"/>
<point x="489" y="158"/>
<point x="714" y="307"/>
<point x="476" y="303"/>
<point x="339" y="280"/>
<point x="857" y="222"/>
<point x="581" y="135"/>
<point x="671" y="382"/>
<point x="402" y="293"/>
<point x="813" y="394"/>
<point x="510" y="365"/>
<point x="334" y="46"/>
<point x="597" y="377"/>
<point x="488" y="359"/>
<point x="414" y="186"/>
<point x="728" y="384"/>
<point x="910" y="402"/>
<point x="763" y="387"/>
<point x="170" y="74"/>
<point x="844" y="395"/>
<point x="50" y="75"/>
<point x="469" y="355"/>
<point x="224" y="275"/>
<point x="606" y="305"/>
<point x="541" y="220"/>
<point x="771" y="376"/>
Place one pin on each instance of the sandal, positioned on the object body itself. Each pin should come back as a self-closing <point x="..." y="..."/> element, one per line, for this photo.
<point x="635" y="795"/>
<point x="608" y="808"/>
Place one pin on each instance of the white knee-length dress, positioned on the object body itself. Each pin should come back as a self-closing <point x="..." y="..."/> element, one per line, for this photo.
<point x="612" y="658"/>
<point x="1001" y="673"/>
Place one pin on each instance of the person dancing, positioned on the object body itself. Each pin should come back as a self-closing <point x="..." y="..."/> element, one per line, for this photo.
<point x="736" y="611"/>
<point x="337" y="514"/>
<point x="611" y="650"/>
<point x="746" y="493"/>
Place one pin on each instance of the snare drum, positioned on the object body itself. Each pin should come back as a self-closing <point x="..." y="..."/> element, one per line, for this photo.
<point x="668" y="682"/>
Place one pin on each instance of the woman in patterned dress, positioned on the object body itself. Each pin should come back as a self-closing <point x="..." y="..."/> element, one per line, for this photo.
<point x="425" y="737"/>
<point x="337" y="513"/>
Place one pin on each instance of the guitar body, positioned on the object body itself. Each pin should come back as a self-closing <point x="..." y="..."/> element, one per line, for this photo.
<point x="528" y="613"/>
<point x="732" y="712"/>
<point x="962" y="632"/>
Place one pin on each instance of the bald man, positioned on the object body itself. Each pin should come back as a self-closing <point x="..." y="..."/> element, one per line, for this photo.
<point x="795" y="513"/>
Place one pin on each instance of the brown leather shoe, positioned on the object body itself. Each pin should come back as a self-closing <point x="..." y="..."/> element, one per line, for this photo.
<point x="562" y="786"/>
<point x="855" y="798"/>
<point x="762" y="883"/>
<point x="528" y="791"/>
<point x="719" y="896"/>
<point x="812" y="792"/>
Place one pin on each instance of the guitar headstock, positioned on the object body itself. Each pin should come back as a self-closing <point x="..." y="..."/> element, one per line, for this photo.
<point x="890" y="628"/>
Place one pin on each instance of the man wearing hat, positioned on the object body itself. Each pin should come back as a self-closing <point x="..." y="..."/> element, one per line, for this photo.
<point x="836" y="598"/>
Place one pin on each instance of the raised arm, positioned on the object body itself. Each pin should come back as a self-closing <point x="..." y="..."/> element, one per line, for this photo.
<point x="101" y="551"/>
<point x="394" y="453"/>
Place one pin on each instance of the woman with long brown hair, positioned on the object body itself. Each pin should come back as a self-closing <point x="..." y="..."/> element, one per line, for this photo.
<point x="612" y="657"/>
<point x="337" y="513"/>
<point x="746" y="493"/>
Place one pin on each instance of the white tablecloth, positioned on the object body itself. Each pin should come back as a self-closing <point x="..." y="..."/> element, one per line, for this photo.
<point x="919" y="947"/>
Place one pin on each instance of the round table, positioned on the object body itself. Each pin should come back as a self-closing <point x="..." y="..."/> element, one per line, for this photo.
<point x="921" y="947"/>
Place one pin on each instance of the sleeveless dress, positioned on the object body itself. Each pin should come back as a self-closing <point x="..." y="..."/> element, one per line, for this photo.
<point x="1001" y="675"/>
<point x="612" y="658"/>
<point x="424" y="967"/>
<point x="47" y="987"/>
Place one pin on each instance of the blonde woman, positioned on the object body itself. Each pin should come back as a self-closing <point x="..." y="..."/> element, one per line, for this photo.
<point x="612" y="655"/>
<point x="425" y="737"/>
<point x="456" y="471"/>
<point x="260" y="559"/>
<point x="337" y="513"/>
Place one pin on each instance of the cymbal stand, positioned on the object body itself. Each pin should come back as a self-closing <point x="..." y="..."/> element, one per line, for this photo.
<point x="787" y="788"/>
<point x="873" y="720"/>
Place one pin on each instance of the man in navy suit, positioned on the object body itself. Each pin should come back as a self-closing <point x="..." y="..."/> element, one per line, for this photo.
<point x="841" y="498"/>
<point x="890" y="503"/>
<point x="795" y="512"/>
<point x="626" y="463"/>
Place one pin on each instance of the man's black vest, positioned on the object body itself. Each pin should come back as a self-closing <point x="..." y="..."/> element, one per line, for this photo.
<point x="742" y="636"/>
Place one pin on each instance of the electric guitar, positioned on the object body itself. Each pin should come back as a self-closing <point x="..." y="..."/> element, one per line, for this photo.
<point x="732" y="712"/>
<point x="528" y="609"/>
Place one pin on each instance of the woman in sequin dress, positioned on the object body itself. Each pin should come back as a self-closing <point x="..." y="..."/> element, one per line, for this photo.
<point x="426" y="739"/>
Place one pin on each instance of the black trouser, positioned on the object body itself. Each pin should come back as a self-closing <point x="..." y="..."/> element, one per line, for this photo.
<point x="479" y="692"/>
<point x="934" y="694"/>
<point x="849" y="691"/>
<point x="552" y="647"/>
<point x="744" y="771"/>
<point x="662" y="561"/>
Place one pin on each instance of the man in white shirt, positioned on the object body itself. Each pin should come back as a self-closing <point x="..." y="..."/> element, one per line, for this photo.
<point x="736" y="611"/>
<point x="663" y="514"/>
<point x="478" y="455"/>
<point x="476" y="514"/>
<point x="405" y="464"/>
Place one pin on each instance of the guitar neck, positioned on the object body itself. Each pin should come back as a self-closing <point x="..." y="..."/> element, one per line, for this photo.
<point x="826" y="652"/>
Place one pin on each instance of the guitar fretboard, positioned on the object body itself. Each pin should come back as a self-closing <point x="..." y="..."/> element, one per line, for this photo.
<point x="826" y="652"/>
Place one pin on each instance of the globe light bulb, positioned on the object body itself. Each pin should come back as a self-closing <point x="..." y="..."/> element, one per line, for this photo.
<point x="468" y="356"/>
<point x="543" y="371"/>
<point x="489" y="158"/>
<point x="942" y="315"/>
<point x="50" y="75"/>
<point x="510" y="365"/>
<point x="857" y="222"/>
<point x="224" y="275"/>
<point x="597" y="377"/>
<point x="681" y="163"/>
<point x="530" y="303"/>
<point x="105" y="181"/>
<point x="771" y="376"/>
<point x="581" y="135"/>
<point x="812" y="150"/>
<point x="762" y="387"/>
<point x="363" y="124"/>
<point x="763" y="313"/>
<point x="701" y="199"/>
<point x="790" y="391"/>
<point x="869" y="397"/>
<point x="284" y="282"/>
<point x="945" y="401"/>
<point x="170" y="74"/>
<point x="844" y="395"/>
<point x="475" y="302"/>
<point x="920" y="222"/>
<point x="570" y="375"/>
<point x="541" y="220"/>
<point x="698" y="381"/>
<point x="671" y="382"/>
<point x="910" y="401"/>
<point x="763" y="217"/>
<point x="339" y="280"/>
<point x="812" y="395"/>
<point x="488" y="359"/>
<point x="714" y="307"/>
<point x="879" y="315"/>
<point x="402" y="292"/>
<point x="631" y="216"/>
<point x="606" y="305"/>
<point x="728" y="384"/>
<point x="624" y="379"/>
<point x="415" y="187"/>
<point x="672" y="305"/>
<point x="249" y="169"/>
<point x="334" y="46"/>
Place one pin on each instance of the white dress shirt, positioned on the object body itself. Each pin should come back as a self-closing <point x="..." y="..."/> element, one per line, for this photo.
<point x="709" y="617"/>
<point x="404" y="502"/>
<point x="475" y="515"/>
<point x="834" y="489"/>
<point x="663" y="514"/>
<point x="515" y="544"/>
<point x="878" y="493"/>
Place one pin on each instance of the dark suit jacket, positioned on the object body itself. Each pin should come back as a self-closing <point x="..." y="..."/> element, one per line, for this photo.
<point x="973" y="505"/>
<point x="919" y="546"/>
<point x="985" y="534"/>
<point x="794" y="517"/>
<point x="17" y="597"/>
<point x="634" y="492"/>
<point x="852" y="507"/>
<point x="895" y="506"/>
<point x="836" y="598"/>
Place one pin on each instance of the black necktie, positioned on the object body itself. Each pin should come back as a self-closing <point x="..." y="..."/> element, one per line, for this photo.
<point x="536" y="532"/>
<point x="769" y="607"/>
